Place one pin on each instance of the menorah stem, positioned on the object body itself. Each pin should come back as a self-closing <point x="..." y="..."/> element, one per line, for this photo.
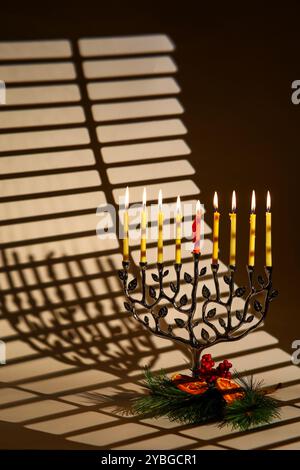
<point x="143" y="267"/>
<point x="215" y="269"/>
<point x="196" y="353"/>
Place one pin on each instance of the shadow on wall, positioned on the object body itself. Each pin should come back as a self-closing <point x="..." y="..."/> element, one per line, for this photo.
<point x="84" y="332"/>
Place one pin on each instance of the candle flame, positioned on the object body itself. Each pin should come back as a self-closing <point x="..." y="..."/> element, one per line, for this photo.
<point x="216" y="201"/>
<point x="198" y="207"/>
<point x="233" y="202"/>
<point x="126" y="198"/>
<point x="160" y="200"/>
<point x="178" y="205"/>
<point x="268" y="201"/>
<point x="144" y="198"/>
<point x="253" y="202"/>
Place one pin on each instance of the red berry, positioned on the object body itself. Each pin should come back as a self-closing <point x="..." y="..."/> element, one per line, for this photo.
<point x="227" y="363"/>
<point x="206" y="357"/>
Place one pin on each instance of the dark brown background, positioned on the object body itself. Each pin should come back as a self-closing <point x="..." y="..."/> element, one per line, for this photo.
<point x="236" y="69"/>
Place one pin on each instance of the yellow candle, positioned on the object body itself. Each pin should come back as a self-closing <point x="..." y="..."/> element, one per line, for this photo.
<point x="160" y="241"/>
<point x="178" y="232"/>
<point x="126" y="227"/>
<point x="251" y="259"/>
<point x="215" y="255"/>
<point x="143" y="258"/>
<point x="268" y="232"/>
<point x="232" y="215"/>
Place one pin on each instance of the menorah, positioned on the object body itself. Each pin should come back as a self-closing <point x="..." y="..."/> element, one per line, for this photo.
<point x="213" y="332"/>
<point x="213" y="327"/>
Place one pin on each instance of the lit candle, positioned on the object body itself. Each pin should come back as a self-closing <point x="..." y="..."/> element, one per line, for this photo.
<point x="215" y="255"/>
<point x="126" y="226"/>
<point x="197" y="228"/>
<point x="160" y="223"/>
<point x="143" y="258"/>
<point x="232" y="215"/>
<point x="268" y="232"/>
<point x="178" y="232"/>
<point x="251" y="259"/>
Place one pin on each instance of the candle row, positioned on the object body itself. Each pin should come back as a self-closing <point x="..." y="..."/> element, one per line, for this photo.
<point x="197" y="230"/>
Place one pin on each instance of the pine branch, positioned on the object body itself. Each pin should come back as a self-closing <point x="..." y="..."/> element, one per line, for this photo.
<point x="254" y="409"/>
<point x="164" y="398"/>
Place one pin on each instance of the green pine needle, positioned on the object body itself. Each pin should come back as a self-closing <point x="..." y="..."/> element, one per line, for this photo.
<point x="252" y="410"/>
<point x="165" y="399"/>
<point x="247" y="382"/>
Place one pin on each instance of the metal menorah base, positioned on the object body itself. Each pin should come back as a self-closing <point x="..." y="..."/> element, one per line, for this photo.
<point x="151" y="308"/>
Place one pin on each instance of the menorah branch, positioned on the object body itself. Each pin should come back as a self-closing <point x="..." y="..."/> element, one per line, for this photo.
<point x="218" y="321"/>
